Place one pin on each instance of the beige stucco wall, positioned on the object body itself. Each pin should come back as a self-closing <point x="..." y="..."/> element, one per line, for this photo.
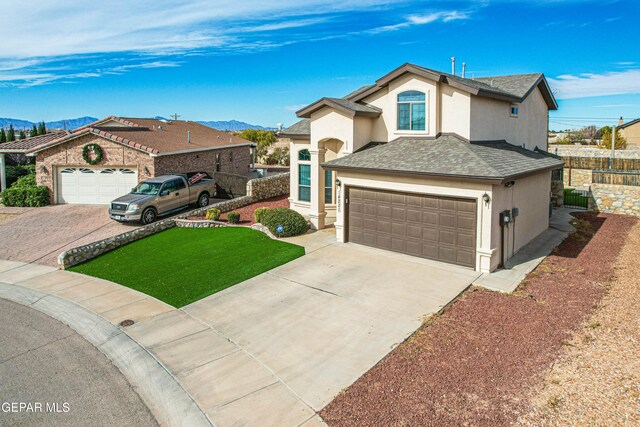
<point x="531" y="196"/>
<point x="385" y="127"/>
<point x="491" y="120"/>
<point x="455" y="111"/>
<point x="632" y="134"/>
<point x="327" y="123"/>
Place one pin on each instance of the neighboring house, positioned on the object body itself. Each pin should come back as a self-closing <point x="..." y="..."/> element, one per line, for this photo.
<point x="423" y="162"/>
<point x="631" y="132"/>
<point x="133" y="149"/>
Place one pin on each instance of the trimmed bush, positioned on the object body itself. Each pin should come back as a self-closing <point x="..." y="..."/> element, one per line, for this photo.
<point x="25" y="193"/>
<point x="233" y="217"/>
<point x="259" y="213"/>
<point x="213" y="214"/>
<point x="292" y="223"/>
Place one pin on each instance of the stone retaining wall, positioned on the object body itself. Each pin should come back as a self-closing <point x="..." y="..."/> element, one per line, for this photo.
<point x="578" y="178"/>
<point x="257" y="189"/>
<point x="619" y="199"/>
<point x="197" y="223"/>
<point x="557" y="193"/>
<point x="271" y="186"/>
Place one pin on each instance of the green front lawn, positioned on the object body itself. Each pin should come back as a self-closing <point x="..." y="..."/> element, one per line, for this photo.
<point x="182" y="265"/>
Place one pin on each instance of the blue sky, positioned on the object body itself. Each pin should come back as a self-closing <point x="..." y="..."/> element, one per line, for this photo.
<point x="260" y="61"/>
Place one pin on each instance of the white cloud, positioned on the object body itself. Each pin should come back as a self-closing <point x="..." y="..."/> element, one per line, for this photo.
<point x="412" y="20"/>
<point x="295" y="107"/>
<point x="588" y="85"/>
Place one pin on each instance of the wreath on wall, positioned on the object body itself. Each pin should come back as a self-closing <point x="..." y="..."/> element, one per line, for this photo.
<point x="92" y="149"/>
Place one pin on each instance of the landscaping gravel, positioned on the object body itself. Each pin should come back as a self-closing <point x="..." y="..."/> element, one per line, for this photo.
<point x="246" y="213"/>
<point x="596" y="381"/>
<point x="478" y="363"/>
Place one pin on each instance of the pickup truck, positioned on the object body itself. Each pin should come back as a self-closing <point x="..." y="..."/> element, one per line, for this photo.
<point x="163" y="195"/>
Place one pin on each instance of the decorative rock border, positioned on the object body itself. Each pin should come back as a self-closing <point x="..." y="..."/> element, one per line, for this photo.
<point x="257" y="189"/>
<point x="205" y="223"/>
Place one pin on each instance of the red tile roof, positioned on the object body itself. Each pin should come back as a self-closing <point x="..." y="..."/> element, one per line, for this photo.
<point x="153" y="136"/>
<point x="24" y="145"/>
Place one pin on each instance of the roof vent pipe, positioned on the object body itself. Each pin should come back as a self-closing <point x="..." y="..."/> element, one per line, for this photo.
<point x="464" y="66"/>
<point x="453" y="65"/>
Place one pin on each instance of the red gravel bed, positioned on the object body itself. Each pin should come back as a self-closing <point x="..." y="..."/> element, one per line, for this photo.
<point x="478" y="362"/>
<point x="246" y="213"/>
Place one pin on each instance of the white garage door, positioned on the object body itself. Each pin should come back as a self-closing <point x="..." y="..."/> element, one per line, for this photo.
<point x="94" y="186"/>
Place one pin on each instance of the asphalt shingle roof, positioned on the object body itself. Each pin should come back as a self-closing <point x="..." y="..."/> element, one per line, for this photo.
<point x="449" y="155"/>
<point x="302" y="127"/>
<point x="518" y="85"/>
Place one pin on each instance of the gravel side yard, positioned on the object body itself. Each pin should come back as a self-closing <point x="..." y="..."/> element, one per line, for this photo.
<point x="596" y="381"/>
<point x="478" y="363"/>
<point x="246" y="213"/>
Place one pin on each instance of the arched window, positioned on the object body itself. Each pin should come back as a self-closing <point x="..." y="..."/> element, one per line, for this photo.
<point x="411" y="110"/>
<point x="304" y="155"/>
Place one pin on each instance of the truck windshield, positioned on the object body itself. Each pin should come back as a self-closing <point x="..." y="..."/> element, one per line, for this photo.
<point x="147" y="188"/>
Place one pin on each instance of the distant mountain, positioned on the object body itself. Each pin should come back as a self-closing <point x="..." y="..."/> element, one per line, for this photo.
<point x="230" y="125"/>
<point x="233" y="125"/>
<point x="59" y="124"/>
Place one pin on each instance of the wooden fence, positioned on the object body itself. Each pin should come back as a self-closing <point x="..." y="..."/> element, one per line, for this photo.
<point x="614" y="164"/>
<point x="630" y="177"/>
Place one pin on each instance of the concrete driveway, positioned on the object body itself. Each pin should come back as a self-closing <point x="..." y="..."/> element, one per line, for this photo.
<point x="306" y="330"/>
<point x="40" y="234"/>
<point x="43" y="361"/>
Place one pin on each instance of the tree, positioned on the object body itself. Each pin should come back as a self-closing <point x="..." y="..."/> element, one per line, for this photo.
<point x="3" y="136"/>
<point x="621" y="142"/>
<point x="11" y="134"/>
<point x="22" y="135"/>
<point x="591" y="133"/>
<point x="263" y="139"/>
<point x="34" y="131"/>
<point x="42" y="129"/>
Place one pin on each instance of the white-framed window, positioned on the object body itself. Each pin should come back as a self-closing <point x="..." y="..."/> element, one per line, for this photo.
<point x="513" y="110"/>
<point x="304" y="175"/>
<point x="412" y="111"/>
<point x="328" y="187"/>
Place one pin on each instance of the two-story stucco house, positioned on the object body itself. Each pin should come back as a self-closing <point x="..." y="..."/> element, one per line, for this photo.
<point x="424" y="163"/>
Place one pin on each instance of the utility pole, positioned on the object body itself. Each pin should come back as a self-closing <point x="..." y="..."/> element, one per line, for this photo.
<point x="175" y="116"/>
<point x="613" y="145"/>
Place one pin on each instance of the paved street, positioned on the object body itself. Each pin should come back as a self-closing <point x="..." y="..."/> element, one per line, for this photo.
<point x="44" y="361"/>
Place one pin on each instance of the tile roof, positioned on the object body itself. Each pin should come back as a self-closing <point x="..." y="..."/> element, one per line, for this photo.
<point x="449" y="155"/>
<point x="24" y="145"/>
<point x="153" y="136"/>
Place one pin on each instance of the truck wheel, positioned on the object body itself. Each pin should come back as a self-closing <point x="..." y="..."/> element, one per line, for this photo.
<point x="203" y="200"/>
<point x="148" y="216"/>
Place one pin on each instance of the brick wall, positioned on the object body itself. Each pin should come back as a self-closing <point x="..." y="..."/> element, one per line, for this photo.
<point x="70" y="154"/>
<point x="232" y="160"/>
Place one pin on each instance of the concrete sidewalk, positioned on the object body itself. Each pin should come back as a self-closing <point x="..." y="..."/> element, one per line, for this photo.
<point x="530" y="256"/>
<point x="272" y="350"/>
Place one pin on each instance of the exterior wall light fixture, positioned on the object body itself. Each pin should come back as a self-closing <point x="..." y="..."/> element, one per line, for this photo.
<point x="486" y="198"/>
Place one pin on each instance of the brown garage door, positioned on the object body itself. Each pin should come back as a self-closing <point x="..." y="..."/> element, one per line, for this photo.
<point x="434" y="227"/>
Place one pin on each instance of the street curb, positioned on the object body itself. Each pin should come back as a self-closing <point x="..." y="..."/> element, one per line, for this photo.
<point x="169" y="403"/>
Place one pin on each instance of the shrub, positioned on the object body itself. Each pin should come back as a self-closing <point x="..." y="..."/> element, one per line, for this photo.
<point x="259" y="213"/>
<point x="293" y="224"/>
<point x="213" y="214"/>
<point x="21" y="194"/>
<point x="15" y="172"/>
<point x="25" y="181"/>
<point x="233" y="217"/>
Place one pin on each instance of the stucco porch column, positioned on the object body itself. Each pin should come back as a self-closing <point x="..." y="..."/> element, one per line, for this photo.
<point x="317" y="212"/>
<point x="3" y="179"/>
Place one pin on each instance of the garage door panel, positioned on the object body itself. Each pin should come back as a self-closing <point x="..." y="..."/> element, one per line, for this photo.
<point x="413" y="215"/>
<point x="447" y="220"/>
<point x="82" y="185"/>
<point x="434" y="227"/>
<point x="466" y="223"/>
<point x="430" y="217"/>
